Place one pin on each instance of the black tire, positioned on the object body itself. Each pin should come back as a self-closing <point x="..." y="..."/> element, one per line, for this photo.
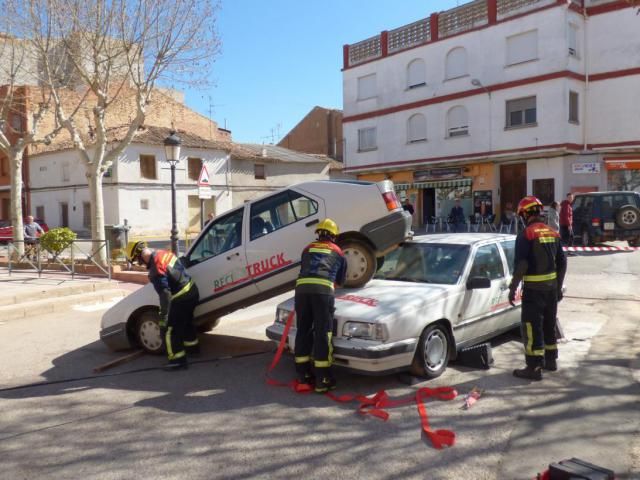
<point x="628" y="217"/>
<point x="633" y="242"/>
<point x="587" y="241"/>
<point x="433" y="352"/>
<point x="207" y="327"/>
<point x="147" y="332"/>
<point x="361" y="263"/>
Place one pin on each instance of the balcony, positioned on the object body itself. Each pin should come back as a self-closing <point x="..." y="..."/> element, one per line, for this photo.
<point x="467" y="17"/>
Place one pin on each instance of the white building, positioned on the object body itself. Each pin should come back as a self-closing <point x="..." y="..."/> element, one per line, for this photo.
<point x="496" y="99"/>
<point x="137" y="188"/>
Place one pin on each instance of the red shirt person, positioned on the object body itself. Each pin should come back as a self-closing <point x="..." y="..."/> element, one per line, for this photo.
<point x="566" y="220"/>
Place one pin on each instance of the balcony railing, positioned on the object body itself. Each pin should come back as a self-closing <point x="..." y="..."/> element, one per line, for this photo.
<point x="475" y="14"/>
<point x="410" y="35"/>
<point x="463" y="18"/>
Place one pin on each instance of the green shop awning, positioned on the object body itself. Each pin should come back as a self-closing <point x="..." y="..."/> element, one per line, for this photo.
<point x="456" y="182"/>
<point x="401" y="186"/>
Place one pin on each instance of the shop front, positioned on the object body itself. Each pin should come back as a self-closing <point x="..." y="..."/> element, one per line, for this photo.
<point x="623" y="174"/>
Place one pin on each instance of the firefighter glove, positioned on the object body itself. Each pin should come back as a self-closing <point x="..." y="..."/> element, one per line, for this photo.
<point x="512" y="296"/>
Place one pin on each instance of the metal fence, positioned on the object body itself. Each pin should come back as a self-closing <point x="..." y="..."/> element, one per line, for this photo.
<point x="32" y="257"/>
<point x="473" y="225"/>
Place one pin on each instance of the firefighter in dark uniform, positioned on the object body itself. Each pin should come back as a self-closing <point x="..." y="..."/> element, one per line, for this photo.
<point x="541" y="264"/>
<point x="178" y="298"/>
<point x="323" y="266"/>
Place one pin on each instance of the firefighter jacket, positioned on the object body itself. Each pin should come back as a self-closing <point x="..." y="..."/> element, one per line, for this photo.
<point x="539" y="260"/>
<point x="323" y="266"/>
<point x="169" y="278"/>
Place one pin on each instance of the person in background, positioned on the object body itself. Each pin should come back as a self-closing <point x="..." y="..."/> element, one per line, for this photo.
<point x="209" y="218"/>
<point x="32" y="232"/>
<point x="407" y="206"/>
<point x="457" y="216"/>
<point x="553" y="216"/>
<point x="566" y="221"/>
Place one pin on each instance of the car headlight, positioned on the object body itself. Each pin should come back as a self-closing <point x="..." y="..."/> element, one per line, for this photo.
<point x="368" y="331"/>
<point x="282" y="315"/>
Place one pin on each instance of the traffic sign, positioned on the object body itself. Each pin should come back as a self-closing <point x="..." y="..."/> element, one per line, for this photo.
<point x="203" y="179"/>
<point x="204" y="192"/>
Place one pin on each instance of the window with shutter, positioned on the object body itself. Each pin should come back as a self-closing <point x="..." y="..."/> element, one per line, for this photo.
<point x="456" y="63"/>
<point x="417" y="128"/>
<point x="148" y="167"/>
<point x="194" y="166"/>
<point x="367" y="87"/>
<point x="521" y="112"/>
<point x="457" y="122"/>
<point x="573" y="107"/>
<point x="367" y="139"/>
<point x="522" y="47"/>
<point x="416" y="74"/>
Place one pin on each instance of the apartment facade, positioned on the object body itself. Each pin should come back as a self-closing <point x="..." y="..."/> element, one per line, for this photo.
<point x="496" y="99"/>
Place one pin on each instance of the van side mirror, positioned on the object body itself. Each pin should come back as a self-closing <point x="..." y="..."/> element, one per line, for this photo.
<point x="478" y="282"/>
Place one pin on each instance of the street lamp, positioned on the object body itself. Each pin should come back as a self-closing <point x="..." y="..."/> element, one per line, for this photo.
<point x="477" y="83"/>
<point x="172" y="151"/>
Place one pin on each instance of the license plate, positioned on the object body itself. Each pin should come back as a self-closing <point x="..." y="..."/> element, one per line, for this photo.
<point x="609" y="225"/>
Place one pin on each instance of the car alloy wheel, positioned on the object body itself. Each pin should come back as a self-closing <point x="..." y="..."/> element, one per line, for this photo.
<point x="148" y="332"/>
<point x="361" y="263"/>
<point x="432" y="355"/>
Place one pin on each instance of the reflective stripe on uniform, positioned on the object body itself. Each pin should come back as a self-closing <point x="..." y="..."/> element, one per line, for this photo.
<point x="303" y="359"/>
<point x="170" y="353"/>
<point x="540" y="278"/>
<point x="330" y="356"/>
<point x="321" y="363"/>
<point x="551" y="347"/>
<point x="190" y="343"/>
<point x="547" y="239"/>
<point x="183" y="290"/>
<point x="315" y="281"/>
<point x="320" y="250"/>
<point x="529" y="333"/>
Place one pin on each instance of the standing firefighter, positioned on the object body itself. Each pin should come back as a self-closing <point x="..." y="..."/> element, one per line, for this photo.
<point x="323" y="265"/>
<point x="178" y="298"/>
<point x="541" y="264"/>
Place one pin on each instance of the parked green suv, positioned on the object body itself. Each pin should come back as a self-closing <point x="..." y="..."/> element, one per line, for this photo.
<point x="603" y="216"/>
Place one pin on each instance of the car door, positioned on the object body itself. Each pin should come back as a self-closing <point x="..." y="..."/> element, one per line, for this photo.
<point x="218" y="264"/>
<point x="510" y="316"/>
<point x="280" y="227"/>
<point x="483" y="306"/>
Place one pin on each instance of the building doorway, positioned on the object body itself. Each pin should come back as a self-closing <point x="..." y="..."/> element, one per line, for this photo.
<point x="64" y="214"/>
<point x="513" y="184"/>
<point x="428" y="205"/>
<point x="194" y="212"/>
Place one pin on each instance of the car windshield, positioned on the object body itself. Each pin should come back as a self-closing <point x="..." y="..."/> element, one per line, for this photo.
<point x="424" y="263"/>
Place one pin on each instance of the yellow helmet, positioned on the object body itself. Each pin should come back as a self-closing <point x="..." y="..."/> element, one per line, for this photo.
<point x="134" y="249"/>
<point x="328" y="225"/>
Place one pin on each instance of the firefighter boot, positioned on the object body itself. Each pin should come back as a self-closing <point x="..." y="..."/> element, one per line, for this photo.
<point x="324" y="380"/>
<point x="550" y="363"/>
<point x="305" y="376"/>
<point x="176" y="364"/>
<point x="529" y="373"/>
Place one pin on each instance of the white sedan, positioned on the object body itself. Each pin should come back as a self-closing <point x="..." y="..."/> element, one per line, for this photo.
<point x="431" y="297"/>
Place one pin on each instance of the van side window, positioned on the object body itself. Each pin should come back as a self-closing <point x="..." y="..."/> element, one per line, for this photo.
<point x="279" y="211"/>
<point x="509" y="248"/>
<point x="221" y="235"/>
<point x="487" y="263"/>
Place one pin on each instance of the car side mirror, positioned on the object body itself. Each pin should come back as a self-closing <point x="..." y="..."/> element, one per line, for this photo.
<point x="478" y="282"/>
<point x="184" y="260"/>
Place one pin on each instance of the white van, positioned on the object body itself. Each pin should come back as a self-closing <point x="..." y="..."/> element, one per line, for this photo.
<point x="252" y="253"/>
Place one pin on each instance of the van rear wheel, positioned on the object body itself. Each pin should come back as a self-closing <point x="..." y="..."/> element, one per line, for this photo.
<point x="361" y="263"/>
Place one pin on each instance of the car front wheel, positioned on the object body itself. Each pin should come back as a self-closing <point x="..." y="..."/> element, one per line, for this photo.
<point x="432" y="355"/>
<point x="148" y="332"/>
<point x="361" y="263"/>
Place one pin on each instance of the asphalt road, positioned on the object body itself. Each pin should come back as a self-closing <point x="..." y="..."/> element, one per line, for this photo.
<point x="220" y="420"/>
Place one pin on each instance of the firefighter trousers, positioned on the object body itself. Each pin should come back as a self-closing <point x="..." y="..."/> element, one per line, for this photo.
<point x="539" y="313"/>
<point x="314" y="314"/>
<point x="181" y="332"/>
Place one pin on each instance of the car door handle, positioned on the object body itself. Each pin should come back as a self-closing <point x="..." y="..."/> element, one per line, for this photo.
<point x="312" y="222"/>
<point x="237" y="254"/>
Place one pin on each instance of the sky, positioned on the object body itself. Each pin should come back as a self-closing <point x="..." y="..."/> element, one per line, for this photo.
<point x="280" y="58"/>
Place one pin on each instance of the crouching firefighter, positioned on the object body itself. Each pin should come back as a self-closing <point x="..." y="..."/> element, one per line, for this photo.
<point x="323" y="266"/>
<point x="178" y="298"/>
<point x="541" y="264"/>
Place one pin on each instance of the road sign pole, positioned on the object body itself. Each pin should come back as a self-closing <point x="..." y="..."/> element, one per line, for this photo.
<point x="201" y="214"/>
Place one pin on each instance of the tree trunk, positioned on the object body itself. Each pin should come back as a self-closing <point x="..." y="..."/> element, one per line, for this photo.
<point x="15" y="162"/>
<point x="94" y="176"/>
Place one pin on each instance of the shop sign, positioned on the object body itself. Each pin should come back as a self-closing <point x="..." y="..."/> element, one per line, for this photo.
<point x="630" y="164"/>
<point x="437" y="174"/>
<point x="586" y="167"/>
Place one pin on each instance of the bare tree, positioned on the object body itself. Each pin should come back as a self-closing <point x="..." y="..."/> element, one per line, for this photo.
<point x="118" y="51"/>
<point x="24" y="104"/>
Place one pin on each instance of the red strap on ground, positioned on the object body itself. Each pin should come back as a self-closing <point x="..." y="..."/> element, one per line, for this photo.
<point x="376" y="404"/>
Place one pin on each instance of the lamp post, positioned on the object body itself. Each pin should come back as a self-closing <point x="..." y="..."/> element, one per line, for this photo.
<point x="172" y="151"/>
<point x="477" y="83"/>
